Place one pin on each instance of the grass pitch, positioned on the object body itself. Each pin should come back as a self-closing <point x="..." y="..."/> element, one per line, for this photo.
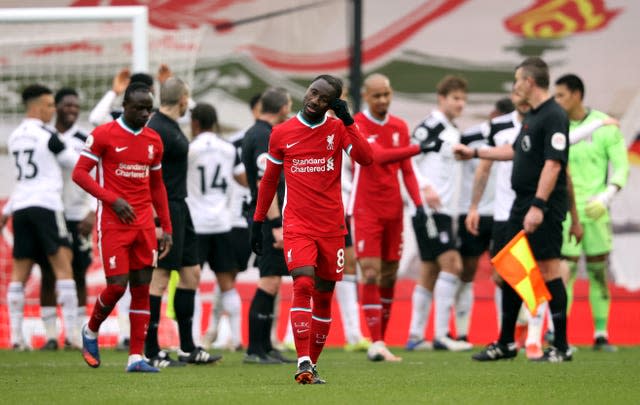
<point x="422" y="377"/>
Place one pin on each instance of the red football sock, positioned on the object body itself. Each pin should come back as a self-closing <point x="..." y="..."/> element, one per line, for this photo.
<point x="104" y="305"/>
<point x="320" y="323"/>
<point x="138" y="317"/>
<point x="372" y="309"/>
<point x="386" y="298"/>
<point x="300" y="313"/>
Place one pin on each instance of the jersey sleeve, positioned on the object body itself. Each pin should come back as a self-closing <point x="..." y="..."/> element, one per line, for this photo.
<point x="95" y="145"/>
<point x="617" y="154"/>
<point x="556" y="141"/>
<point x="156" y="163"/>
<point x="476" y="134"/>
<point x="275" y="148"/>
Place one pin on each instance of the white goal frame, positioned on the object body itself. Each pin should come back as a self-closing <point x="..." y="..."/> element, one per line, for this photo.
<point x="138" y="15"/>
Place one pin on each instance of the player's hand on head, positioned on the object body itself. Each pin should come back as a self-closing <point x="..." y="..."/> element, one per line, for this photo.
<point x="432" y="198"/>
<point x="121" y="81"/>
<point x="256" y="237"/>
<point x="164" y="244"/>
<point x="124" y="211"/>
<point x="462" y="152"/>
<point x="164" y="72"/>
<point x="472" y="221"/>
<point x="341" y="109"/>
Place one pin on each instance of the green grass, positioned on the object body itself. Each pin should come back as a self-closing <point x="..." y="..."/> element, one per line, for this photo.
<point x="426" y="377"/>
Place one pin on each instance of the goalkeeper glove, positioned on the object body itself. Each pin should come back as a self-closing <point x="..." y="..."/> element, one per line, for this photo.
<point x="341" y="110"/>
<point x="256" y="237"/>
<point x="597" y="205"/>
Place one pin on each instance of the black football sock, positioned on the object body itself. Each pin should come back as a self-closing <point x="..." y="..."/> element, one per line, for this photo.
<point x="511" y="303"/>
<point x="266" y="338"/>
<point x="151" y="347"/>
<point x="183" y="304"/>
<point x="259" y="324"/>
<point x="558" y="309"/>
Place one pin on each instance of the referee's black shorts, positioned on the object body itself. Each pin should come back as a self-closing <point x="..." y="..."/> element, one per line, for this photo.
<point x="472" y="245"/>
<point x="546" y="241"/>
<point x="184" y="251"/>
<point x="38" y="231"/>
<point x="271" y="262"/>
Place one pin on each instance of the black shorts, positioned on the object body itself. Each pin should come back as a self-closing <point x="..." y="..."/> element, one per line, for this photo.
<point x="471" y="245"/>
<point x="241" y="248"/>
<point x="82" y="249"/>
<point x="435" y="237"/>
<point x="500" y="236"/>
<point x="271" y="262"/>
<point x="348" y="242"/>
<point x="216" y="249"/>
<point x="546" y="241"/>
<point x="38" y="231"/>
<point x="184" y="251"/>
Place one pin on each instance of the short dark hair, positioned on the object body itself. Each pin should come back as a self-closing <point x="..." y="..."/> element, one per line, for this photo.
<point x="63" y="92"/>
<point x="273" y="99"/>
<point x="205" y="114"/>
<point x="504" y="105"/>
<point x="333" y="81"/>
<point x="255" y="99"/>
<point x="34" y="91"/>
<point x="573" y="83"/>
<point x="451" y="83"/>
<point x="142" y="78"/>
<point x="537" y="69"/>
<point x="135" y="87"/>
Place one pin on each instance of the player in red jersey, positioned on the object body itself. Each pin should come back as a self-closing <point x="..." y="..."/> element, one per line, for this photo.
<point x="127" y="155"/>
<point x="308" y="147"/>
<point x="376" y="207"/>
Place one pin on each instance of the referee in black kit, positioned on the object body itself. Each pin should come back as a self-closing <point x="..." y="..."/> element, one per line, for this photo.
<point x="276" y="106"/>
<point x="540" y="154"/>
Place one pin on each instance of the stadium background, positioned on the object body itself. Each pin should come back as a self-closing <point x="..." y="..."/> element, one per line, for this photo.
<point x="228" y="52"/>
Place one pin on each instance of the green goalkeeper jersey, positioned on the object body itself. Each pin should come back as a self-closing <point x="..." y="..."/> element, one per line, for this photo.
<point x="589" y="162"/>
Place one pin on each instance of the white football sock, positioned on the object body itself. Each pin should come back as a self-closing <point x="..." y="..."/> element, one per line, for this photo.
<point x="464" y="304"/>
<point x="347" y="295"/>
<point x="124" y="303"/>
<point x="497" y="297"/>
<point x="15" y="300"/>
<point x="218" y="310"/>
<point x="420" y="306"/>
<point x="534" y="331"/>
<point x="523" y="315"/>
<point x="133" y="358"/>
<point x="80" y="320"/>
<point x="444" y="293"/>
<point x="196" y="324"/>
<point x="68" y="300"/>
<point x="233" y="306"/>
<point x="49" y="317"/>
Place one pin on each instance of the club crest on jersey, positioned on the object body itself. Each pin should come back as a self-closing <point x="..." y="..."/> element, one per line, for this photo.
<point x="151" y="152"/>
<point x="526" y="143"/>
<point x="289" y="256"/>
<point x="112" y="262"/>
<point x="330" y="141"/>
<point x="395" y="139"/>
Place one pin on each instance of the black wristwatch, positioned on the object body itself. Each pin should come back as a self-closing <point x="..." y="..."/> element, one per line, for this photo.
<point x="540" y="203"/>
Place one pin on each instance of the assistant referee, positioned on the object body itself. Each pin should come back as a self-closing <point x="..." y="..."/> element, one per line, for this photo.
<point x="540" y="154"/>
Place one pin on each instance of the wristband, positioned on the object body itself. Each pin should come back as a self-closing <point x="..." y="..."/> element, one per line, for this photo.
<point x="157" y="222"/>
<point x="539" y="203"/>
<point x="274" y="222"/>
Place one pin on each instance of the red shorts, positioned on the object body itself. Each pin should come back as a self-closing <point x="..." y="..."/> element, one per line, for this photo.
<point x="123" y="250"/>
<point x="325" y="254"/>
<point x="377" y="237"/>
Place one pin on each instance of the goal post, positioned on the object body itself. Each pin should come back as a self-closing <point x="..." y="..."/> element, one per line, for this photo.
<point x="138" y="15"/>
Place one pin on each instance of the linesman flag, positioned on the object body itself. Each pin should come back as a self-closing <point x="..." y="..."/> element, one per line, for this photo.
<point x="516" y="265"/>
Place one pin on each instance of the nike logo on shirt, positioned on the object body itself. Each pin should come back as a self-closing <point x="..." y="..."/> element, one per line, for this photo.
<point x="120" y="149"/>
<point x="290" y="145"/>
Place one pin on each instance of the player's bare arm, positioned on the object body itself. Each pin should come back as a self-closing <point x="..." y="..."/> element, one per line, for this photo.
<point x="575" y="231"/>
<point x="432" y="198"/>
<point x="121" y="81"/>
<point x="546" y="184"/>
<point x="502" y="152"/>
<point x="85" y="227"/>
<point x="479" y="184"/>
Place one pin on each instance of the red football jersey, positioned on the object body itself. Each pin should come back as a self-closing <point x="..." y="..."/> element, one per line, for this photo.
<point x="124" y="160"/>
<point x="311" y="156"/>
<point x="376" y="189"/>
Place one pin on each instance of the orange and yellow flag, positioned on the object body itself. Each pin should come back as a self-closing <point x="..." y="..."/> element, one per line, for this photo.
<point x="516" y="265"/>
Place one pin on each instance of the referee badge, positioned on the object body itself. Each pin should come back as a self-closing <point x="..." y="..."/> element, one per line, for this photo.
<point x="559" y="141"/>
<point x="526" y="143"/>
